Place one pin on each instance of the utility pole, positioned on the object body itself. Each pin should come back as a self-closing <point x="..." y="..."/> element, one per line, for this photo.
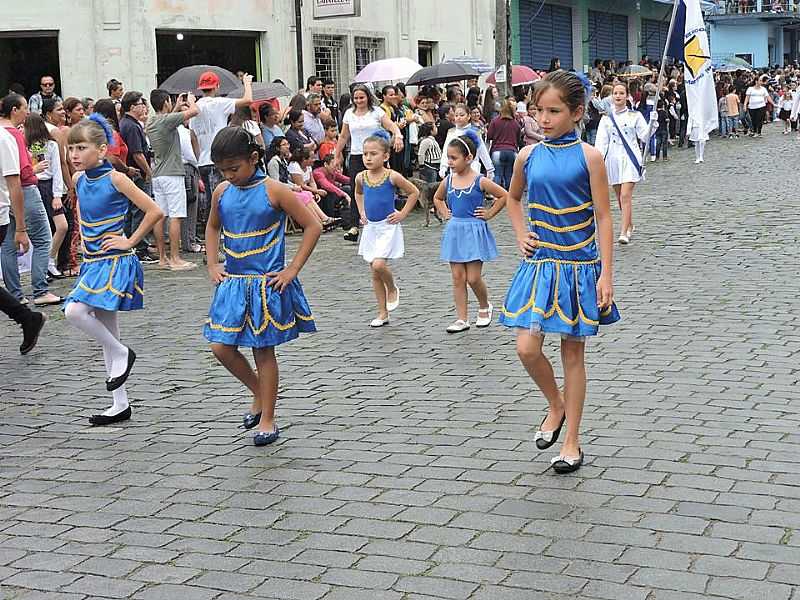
<point x="502" y="42"/>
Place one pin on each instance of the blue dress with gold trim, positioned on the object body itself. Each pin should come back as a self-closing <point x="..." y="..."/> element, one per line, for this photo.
<point x="107" y="280"/>
<point x="554" y="291"/>
<point x="245" y="310"/>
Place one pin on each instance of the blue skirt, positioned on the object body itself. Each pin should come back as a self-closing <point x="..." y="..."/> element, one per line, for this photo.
<point x="245" y="311"/>
<point x="552" y="296"/>
<point x="114" y="283"/>
<point x="467" y="239"/>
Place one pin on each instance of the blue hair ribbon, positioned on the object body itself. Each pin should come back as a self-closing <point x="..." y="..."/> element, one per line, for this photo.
<point x="101" y="120"/>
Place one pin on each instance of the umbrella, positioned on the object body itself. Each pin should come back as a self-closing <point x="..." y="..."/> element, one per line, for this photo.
<point x="388" y="69"/>
<point x="265" y="91"/>
<point x="442" y="73"/>
<point x="724" y="67"/>
<point x="185" y="80"/>
<point x="735" y="61"/>
<point x="520" y="75"/>
<point x="634" y="71"/>
<point x="471" y="61"/>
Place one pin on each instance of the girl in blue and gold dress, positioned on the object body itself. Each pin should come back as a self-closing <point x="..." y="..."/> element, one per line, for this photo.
<point x="258" y="302"/>
<point x="562" y="285"/>
<point x="110" y="278"/>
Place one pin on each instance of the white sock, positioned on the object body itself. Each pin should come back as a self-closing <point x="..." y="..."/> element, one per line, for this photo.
<point x="699" y="148"/>
<point x="120" y="395"/>
<point x="84" y="317"/>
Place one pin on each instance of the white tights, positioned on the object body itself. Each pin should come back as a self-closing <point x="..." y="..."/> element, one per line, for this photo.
<point x="102" y="326"/>
<point x="699" y="149"/>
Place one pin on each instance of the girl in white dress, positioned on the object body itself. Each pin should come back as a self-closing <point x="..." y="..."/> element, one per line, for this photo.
<point x="623" y="171"/>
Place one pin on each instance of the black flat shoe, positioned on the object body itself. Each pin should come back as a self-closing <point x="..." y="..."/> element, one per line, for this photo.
<point x="105" y="420"/>
<point x="545" y="439"/>
<point x="113" y="383"/>
<point x="250" y="420"/>
<point x="31" y="331"/>
<point x="563" y="465"/>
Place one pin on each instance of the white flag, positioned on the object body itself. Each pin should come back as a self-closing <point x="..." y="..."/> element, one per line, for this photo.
<point x="689" y="45"/>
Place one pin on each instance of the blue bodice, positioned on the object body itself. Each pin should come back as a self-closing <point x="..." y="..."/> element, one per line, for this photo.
<point x="560" y="207"/>
<point x="102" y="209"/>
<point x="253" y="230"/>
<point x="378" y="197"/>
<point x="464" y="201"/>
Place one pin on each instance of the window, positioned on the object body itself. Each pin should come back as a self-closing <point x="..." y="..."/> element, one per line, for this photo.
<point x="329" y="58"/>
<point x="426" y="51"/>
<point x="368" y="50"/>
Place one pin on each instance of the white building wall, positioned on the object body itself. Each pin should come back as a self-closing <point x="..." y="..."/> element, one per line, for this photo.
<point x="101" y="39"/>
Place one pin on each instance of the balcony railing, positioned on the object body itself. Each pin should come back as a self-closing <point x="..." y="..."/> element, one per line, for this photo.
<point x="752" y="7"/>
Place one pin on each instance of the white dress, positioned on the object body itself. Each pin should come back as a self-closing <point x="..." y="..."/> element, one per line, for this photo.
<point x="619" y="167"/>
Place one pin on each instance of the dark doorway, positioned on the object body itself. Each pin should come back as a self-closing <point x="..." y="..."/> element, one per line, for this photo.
<point x="27" y="55"/>
<point x="232" y="50"/>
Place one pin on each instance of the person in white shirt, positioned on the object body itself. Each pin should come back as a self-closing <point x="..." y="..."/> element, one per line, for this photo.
<point x="214" y="114"/>
<point x="756" y="99"/>
<point x="11" y="196"/>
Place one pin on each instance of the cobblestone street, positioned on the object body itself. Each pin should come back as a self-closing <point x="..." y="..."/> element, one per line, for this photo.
<point x="406" y="467"/>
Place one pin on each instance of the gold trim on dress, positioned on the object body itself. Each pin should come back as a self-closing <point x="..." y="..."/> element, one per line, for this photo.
<point x="108" y="287"/>
<point x="563" y="262"/>
<point x="94" y="238"/>
<point x="560" y="211"/>
<point x="546" y="225"/>
<point x="103" y="222"/>
<point x="110" y="257"/>
<point x="247" y="253"/>
<point x="249" y="234"/>
<point x="561" y="248"/>
<point x="567" y="145"/>
<point x="365" y="178"/>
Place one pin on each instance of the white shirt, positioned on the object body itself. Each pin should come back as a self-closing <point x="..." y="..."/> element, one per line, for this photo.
<point x="213" y="117"/>
<point x="52" y="155"/>
<point x="361" y="127"/>
<point x="296" y="169"/>
<point x="187" y="152"/>
<point x="757" y="97"/>
<point x="9" y="165"/>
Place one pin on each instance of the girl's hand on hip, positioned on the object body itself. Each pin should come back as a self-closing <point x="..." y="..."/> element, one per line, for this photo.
<point x="605" y="291"/>
<point x="480" y="213"/>
<point x="280" y="279"/>
<point x="395" y="217"/>
<point x="216" y="273"/>
<point x="528" y="244"/>
<point x="115" y="242"/>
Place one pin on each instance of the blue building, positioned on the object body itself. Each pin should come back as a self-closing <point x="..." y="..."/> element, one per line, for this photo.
<point x="762" y="32"/>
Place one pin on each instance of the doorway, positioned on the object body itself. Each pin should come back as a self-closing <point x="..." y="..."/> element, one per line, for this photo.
<point x="427" y="52"/>
<point x="232" y="50"/>
<point x="25" y="56"/>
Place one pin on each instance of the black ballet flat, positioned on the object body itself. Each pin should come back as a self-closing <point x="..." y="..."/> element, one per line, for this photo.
<point x="250" y="420"/>
<point x="113" y="383"/>
<point x="106" y="420"/>
<point x="563" y="465"/>
<point x="545" y="439"/>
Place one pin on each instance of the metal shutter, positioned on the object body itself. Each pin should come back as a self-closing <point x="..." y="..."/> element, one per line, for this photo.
<point x="654" y="37"/>
<point x="544" y="34"/>
<point x="608" y="36"/>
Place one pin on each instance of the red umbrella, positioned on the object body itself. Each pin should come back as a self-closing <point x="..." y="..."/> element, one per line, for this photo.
<point x="520" y="75"/>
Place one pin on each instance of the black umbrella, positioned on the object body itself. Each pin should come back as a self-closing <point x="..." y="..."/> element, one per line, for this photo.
<point x="265" y="91"/>
<point x="442" y="73"/>
<point x="185" y="80"/>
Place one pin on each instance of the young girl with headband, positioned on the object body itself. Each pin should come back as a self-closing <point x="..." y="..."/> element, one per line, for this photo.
<point x="467" y="241"/>
<point x="111" y="278"/>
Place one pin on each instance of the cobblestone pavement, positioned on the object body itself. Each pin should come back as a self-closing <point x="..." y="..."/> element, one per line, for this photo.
<point x="406" y="469"/>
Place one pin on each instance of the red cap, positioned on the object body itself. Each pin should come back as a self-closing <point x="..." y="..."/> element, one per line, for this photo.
<point x="208" y="80"/>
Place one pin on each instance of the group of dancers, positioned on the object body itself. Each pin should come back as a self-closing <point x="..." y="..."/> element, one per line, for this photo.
<point x="563" y="285"/>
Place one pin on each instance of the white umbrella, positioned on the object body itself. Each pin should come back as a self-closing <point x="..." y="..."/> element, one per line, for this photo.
<point x="388" y="69"/>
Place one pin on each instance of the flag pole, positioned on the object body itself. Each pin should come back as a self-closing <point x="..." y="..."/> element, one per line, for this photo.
<point x="660" y="81"/>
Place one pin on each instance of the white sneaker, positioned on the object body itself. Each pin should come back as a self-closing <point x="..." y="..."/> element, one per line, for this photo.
<point x="698" y="161"/>
<point x="379" y="322"/>
<point x="390" y="306"/>
<point x="458" y="326"/>
<point x="487" y="320"/>
<point x="652" y="159"/>
<point x="624" y="239"/>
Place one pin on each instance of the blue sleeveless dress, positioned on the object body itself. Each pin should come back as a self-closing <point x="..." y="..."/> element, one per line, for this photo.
<point x="466" y="238"/>
<point x="107" y="280"/>
<point x="554" y="291"/>
<point x="245" y="310"/>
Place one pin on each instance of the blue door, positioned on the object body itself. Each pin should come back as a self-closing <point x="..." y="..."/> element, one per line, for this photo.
<point x="545" y="32"/>
<point x="608" y="36"/>
<point x="654" y="38"/>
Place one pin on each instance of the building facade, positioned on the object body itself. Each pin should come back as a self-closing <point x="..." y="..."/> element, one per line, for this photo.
<point x="762" y="32"/>
<point x="141" y="42"/>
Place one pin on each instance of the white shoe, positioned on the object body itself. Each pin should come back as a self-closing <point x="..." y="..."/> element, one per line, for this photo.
<point x="629" y="233"/>
<point x="624" y="239"/>
<point x="652" y="159"/>
<point x="458" y="326"/>
<point x="379" y="322"/>
<point x="390" y="306"/>
<point x="698" y="161"/>
<point x="484" y="321"/>
<point x="52" y="269"/>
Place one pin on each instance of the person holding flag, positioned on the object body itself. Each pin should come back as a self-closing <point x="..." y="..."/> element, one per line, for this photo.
<point x="687" y="42"/>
